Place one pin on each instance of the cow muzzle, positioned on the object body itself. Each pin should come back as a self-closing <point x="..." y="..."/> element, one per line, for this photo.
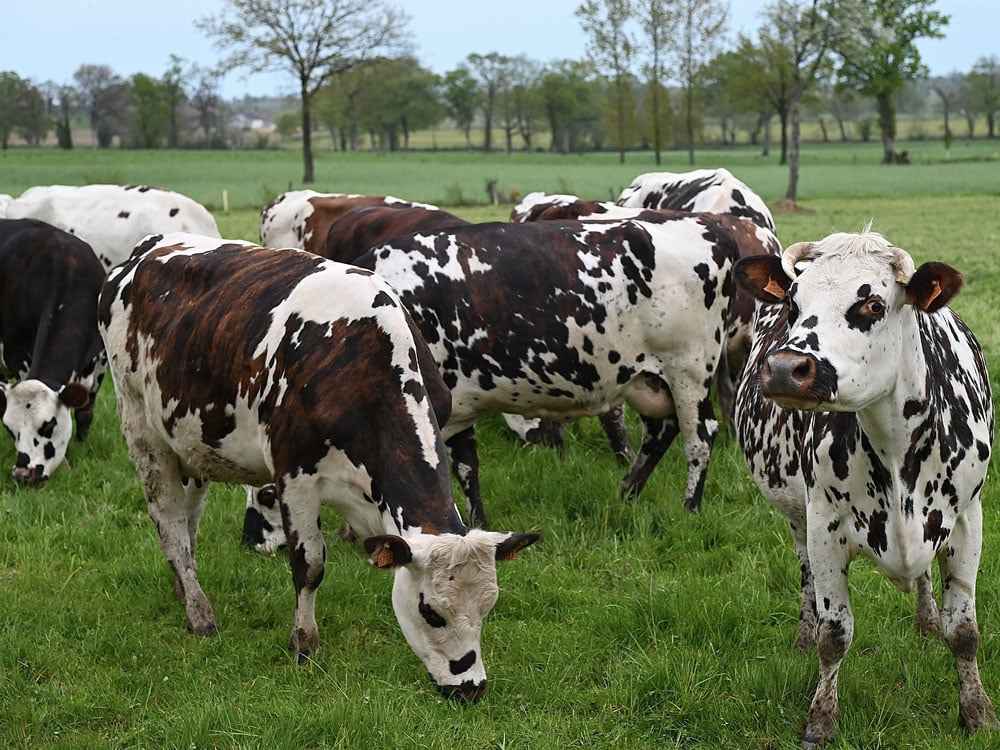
<point x="467" y="692"/>
<point x="28" y="475"/>
<point x="797" y="381"/>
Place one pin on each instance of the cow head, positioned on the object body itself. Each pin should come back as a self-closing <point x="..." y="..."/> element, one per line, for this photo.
<point x="445" y="586"/>
<point x="41" y="422"/>
<point x="848" y="300"/>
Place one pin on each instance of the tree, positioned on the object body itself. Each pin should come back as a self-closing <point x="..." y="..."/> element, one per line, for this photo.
<point x="489" y="71"/>
<point x="947" y="89"/>
<point x="209" y="110"/>
<point x="880" y="55"/>
<point x="22" y="109"/>
<point x="107" y="100"/>
<point x="312" y="39"/>
<point x="174" y="96"/>
<point x="569" y="100"/>
<point x="656" y="18"/>
<point x="697" y="36"/>
<point x="63" y="111"/>
<point x="462" y="98"/>
<point x="981" y="90"/>
<point x="150" y="122"/>
<point x="807" y="30"/>
<point x="611" y="47"/>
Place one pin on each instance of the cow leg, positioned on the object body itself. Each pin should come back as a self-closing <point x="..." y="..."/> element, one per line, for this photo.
<point x="959" y="563"/>
<point x="307" y="555"/>
<point x="657" y="435"/>
<point x="263" y="529"/>
<point x="465" y="466"/>
<point x="613" y="422"/>
<point x="834" y="632"/>
<point x="806" y="635"/>
<point x="84" y="417"/>
<point x="928" y="618"/>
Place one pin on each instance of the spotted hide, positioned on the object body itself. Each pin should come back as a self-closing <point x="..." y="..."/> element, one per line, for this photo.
<point x="559" y="320"/>
<point x="244" y="364"/>
<point x="113" y="218"/>
<point x="49" y="342"/>
<point x="302" y="218"/>
<point x="866" y="417"/>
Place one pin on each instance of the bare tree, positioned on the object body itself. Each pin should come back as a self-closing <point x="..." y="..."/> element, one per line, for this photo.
<point x="489" y="70"/>
<point x="656" y="18"/>
<point x="697" y="37"/>
<point x="107" y="99"/>
<point x="312" y="39"/>
<point x="611" y="47"/>
<point x="981" y="90"/>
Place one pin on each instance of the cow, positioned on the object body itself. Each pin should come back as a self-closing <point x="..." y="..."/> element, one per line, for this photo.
<point x="559" y="320"/>
<point x="238" y="363"/>
<point x="713" y="190"/>
<point x="302" y="218"/>
<point x="113" y="218"/>
<point x="364" y="227"/>
<point x="5" y="201"/>
<point x="866" y="418"/>
<point x="546" y="206"/>
<point x="49" y="281"/>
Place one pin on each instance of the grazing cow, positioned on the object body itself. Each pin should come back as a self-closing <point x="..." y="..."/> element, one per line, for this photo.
<point x="713" y="190"/>
<point x="49" y="281"/>
<point x="244" y="364"/>
<point x="548" y="206"/>
<point x="866" y="417"/>
<point x="560" y="320"/>
<point x="302" y="218"/>
<point x="113" y="218"/>
<point x="362" y="228"/>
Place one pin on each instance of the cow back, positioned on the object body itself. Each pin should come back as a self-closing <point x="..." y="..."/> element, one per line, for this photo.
<point x="362" y="228"/>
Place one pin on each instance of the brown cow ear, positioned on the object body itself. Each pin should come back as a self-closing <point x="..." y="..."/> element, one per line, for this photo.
<point x="514" y="543"/>
<point x="933" y="286"/>
<point x="74" y="395"/>
<point x="763" y="277"/>
<point x="388" y="551"/>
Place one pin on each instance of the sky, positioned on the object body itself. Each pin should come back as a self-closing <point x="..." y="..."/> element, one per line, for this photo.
<point x="47" y="40"/>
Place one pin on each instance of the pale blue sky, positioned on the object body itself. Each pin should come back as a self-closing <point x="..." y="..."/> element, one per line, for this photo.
<point x="49" y="39"/>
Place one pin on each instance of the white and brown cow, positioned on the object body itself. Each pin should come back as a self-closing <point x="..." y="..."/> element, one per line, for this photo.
<point x="866" y="418"/>
<point x="244" y="364"/>
<point x="49" y="281"/>
<point x="113" y="218"/>
<point x="559" y="320"/>
<point x="713" y="190"/>
<point x="302" y="218"/>
<point x="362" y="228"/>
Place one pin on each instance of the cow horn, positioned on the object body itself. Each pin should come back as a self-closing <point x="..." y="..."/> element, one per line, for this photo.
<point x="904" y="265"/>
<point x="793" y="254"/>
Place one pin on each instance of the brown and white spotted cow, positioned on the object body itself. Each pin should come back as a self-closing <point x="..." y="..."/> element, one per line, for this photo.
<point x="362" y="228"/>
<point x="302" y="218"/>
<point x="308" y="374"/>
<point x="605" y="313"/>
<point x="866" y="417"/>
<point x="49" y="281"/>
<point x="113" y="218"/>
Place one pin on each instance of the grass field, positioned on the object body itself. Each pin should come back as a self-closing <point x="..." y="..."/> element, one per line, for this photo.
<point x="632" y="625"/>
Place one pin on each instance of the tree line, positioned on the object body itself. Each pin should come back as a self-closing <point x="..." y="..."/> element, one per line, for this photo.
<point x="656" y="72"/>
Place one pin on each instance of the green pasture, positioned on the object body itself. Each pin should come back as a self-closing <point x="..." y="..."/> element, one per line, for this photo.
<point x="629" y="625"/>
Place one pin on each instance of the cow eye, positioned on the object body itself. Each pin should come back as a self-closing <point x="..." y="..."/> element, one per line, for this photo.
<point x="874" y="306"/>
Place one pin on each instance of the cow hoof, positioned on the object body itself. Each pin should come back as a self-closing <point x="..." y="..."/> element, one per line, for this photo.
<point x="978" y="717"/>
<point x="206" y="628"/>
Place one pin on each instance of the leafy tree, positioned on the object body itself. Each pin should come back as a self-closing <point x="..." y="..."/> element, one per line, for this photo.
<point x="569" y="98"/>
<point x="287" y="124"/>
<point x="981" y="90"/>
<point x="880" y="55"/>
<point x="63" y="112"/>
<point x="174" y="97"/>
<point x="151" y="113"/>
<point x="107" y="100"/>
<point x="697" y="36"/>
<point x="489" y="71"/>
<point x="312" y="39"/>
<point x="462" y="99"/>
<point x="656" y="18"/>
<point x="759" y="77"/>
<point x="19" y="101"/>
<point x="611" y="47"/>
<point x="398" y="97"/>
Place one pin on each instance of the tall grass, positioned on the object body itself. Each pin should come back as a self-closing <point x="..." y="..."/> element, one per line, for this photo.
<point x="633" y="625"/>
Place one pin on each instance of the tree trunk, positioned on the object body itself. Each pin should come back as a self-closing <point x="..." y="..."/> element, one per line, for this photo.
<point x="657" y="134"/>
<point x="793" y="150"/>
<point x="887" y="125"/>
<point x="307" y="153"/>
<point x="783" y="117"/>
<point x="689" y="115"/>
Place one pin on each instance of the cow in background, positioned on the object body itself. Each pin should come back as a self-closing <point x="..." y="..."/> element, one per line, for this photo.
<point x="112" y="219"/>
<point x="49" y="281"/>
<point x="302" y="218"/>
<point x="866" y="417"/>
<point x="362" y="228"/>
<point x="310" y="375"/>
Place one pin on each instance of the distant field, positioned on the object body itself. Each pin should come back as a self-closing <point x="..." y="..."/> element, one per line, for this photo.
<point x="629" y="625"/>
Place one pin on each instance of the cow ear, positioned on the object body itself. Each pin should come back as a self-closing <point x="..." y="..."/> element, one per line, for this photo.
<point x="932" y="286"/>
<point x="514" y="543"/>
<point x="763" y="277"/>
<point x="74" y="395"/>
<point x="388" y="551"/>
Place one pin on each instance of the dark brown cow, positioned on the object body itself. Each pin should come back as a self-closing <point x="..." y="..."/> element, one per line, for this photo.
<point x="360" y="229"/>
<point x="49" y="281"/>
<point x="302" y="218"/>
<point x="244" y="364"/>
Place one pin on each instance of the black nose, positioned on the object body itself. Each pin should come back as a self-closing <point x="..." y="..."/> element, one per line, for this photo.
<point x="467" y="692"/>
<point x="787" y="373"/>
<point x="27" y="475"/>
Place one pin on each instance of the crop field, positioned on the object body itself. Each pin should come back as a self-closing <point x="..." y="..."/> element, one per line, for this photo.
<point x="629" y="624"/>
